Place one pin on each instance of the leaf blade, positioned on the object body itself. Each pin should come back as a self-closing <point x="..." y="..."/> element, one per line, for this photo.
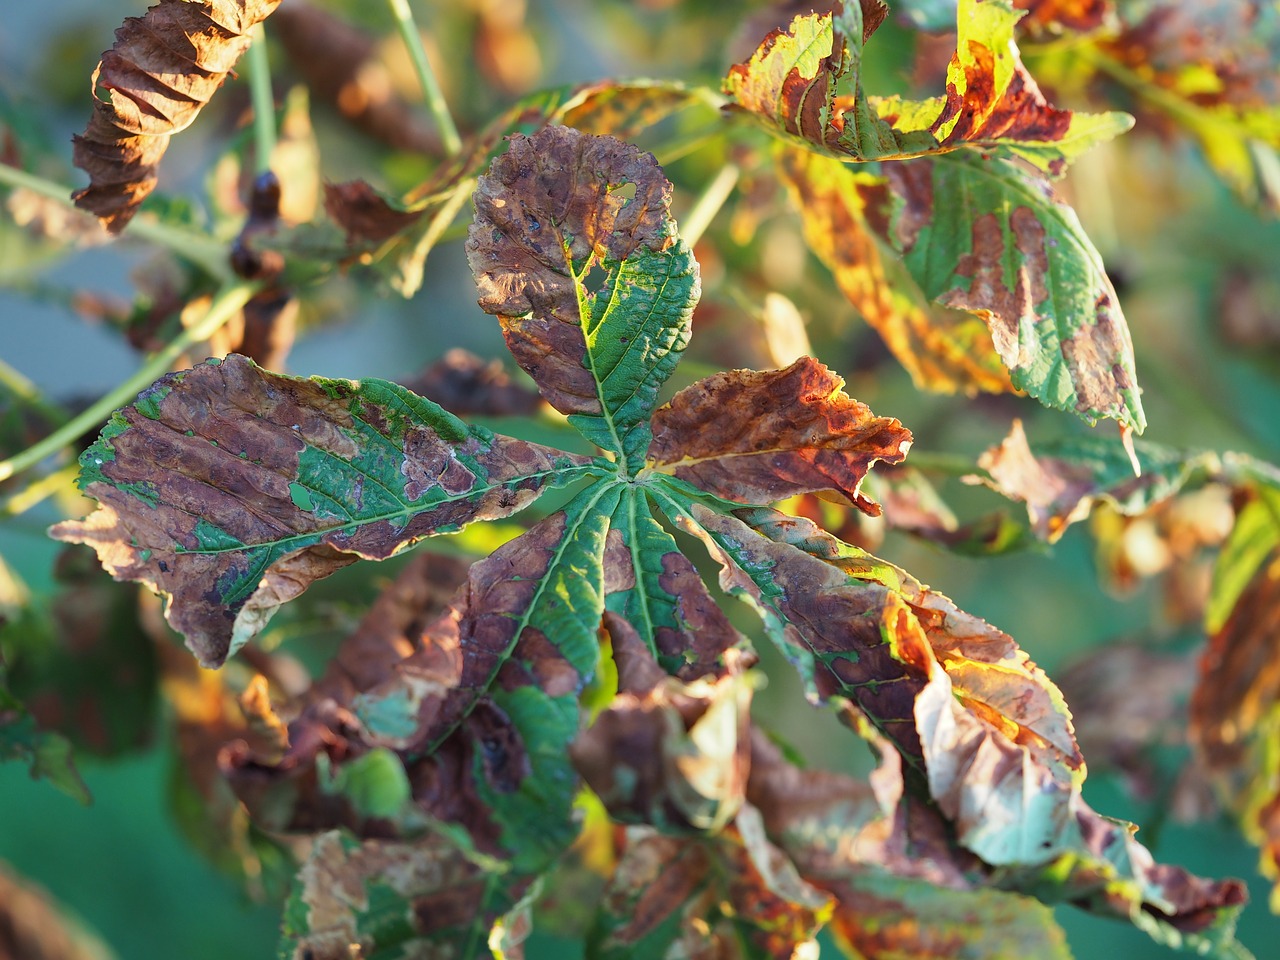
<point x="230" y="488"/>
<point x="550" y="212"/>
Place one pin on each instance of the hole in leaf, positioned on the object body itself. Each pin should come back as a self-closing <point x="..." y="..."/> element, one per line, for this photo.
<point x="625" y="190"/>
<point x="595" y="279"/>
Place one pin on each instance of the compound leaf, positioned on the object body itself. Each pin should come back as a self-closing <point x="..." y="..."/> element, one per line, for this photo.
<point x="573" y="248"/>
<point x="230" y="489"/>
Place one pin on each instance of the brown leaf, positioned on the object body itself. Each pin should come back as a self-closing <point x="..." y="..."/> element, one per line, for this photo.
<point x="757" y="437"/>
<point x="675" y="755"/>
<point x="1126" y="700"/>
<point x="549" y="208"/>
<point x="364" y="213"/>
<point x="1235" y="711"/>
<point x="163" y="69"/>
<point x="232" y="489"/>
<point x="464" y="384"/>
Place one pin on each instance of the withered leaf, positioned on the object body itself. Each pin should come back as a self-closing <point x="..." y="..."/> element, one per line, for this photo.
<point x="1061" y="485"/>
<point x="574" y="250"/>
<point x="757" y="437"/>
<point x="1070" y="17"/>
<point x="970" y="714"/>
<point x="230" y="489"/>
<point x="1235" y="712"/>
<point x="464" y="384"/>
<point x="165" y="66"/>
<point x="804" y="84"/>
<point x="732" y="894"/>
<point x="381" y="897"/>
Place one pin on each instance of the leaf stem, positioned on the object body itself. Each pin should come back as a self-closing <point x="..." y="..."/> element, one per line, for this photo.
<point x="229" y="300"/>
<point x="709" y="203"/>
<point x="194" y="247"/>
<point x="426" y="76"/>
<point x="28" y="393"/>
<point x="38" y="491"/>
<point x="264" y="104"/>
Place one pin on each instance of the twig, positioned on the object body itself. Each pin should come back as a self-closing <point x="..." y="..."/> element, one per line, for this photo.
<point x="229" y="300"/>
<point x="194" y="247"/>
<point x="426" y="76"/>
<point x="264" y="104"/>
<point x="709" y="203"/>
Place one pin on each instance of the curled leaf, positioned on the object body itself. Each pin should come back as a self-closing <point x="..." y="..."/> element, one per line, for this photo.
<point x="230" y="489"/>
<point x="165" y="66"/>
<point x="804" y="84"/>
<point x="757" y="437"/>
<point x="1061" y="485"/>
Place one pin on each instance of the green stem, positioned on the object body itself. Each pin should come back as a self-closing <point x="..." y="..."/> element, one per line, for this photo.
<point x="426" y="76"/>
<point x="709" y="203"/>
<point x="264" y="104"/>
<point x="229" y="300"/>
<point x="951" y="464"/>
<point x="28" y="393"/>
<point x="194" y="247"/>
<point x="38" y="491"/>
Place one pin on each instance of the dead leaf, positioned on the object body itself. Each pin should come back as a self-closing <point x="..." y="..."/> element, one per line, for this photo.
<point x="757" y="437"/>
<point x="163" y="69"/>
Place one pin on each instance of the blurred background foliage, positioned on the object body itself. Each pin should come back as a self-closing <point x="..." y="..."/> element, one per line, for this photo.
<point x="1195" y="260"/>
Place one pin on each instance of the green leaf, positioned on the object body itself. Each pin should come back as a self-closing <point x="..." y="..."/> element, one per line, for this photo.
<point x="575" y="251"/>
<point x="981" y="235"/>
<point x="230" y="489"/>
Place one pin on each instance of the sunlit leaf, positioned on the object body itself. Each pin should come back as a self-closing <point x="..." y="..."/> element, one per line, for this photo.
<point x="942" y="348"/>
<point x="230" y="489"/>
<point x="574" y="250"/>
<point x="757" y="437"/>
<point x="984" y="236"/>
<point x="805" y="84"/>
